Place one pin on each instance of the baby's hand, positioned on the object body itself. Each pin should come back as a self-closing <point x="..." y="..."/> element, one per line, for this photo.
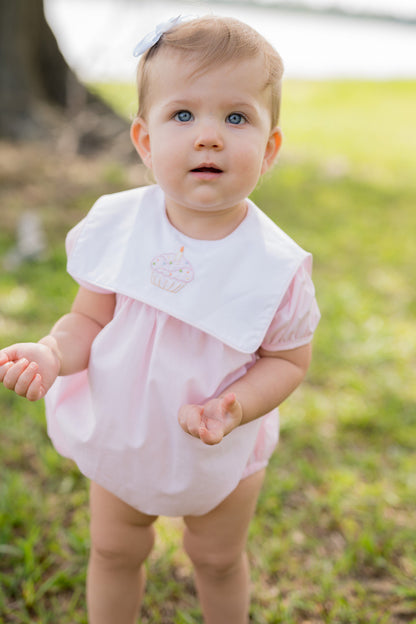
<point x="29" y="369"/>
<point x="212" y="421"/>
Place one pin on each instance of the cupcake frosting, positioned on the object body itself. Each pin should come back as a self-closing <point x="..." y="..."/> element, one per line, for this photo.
<point x="172" y="266"/>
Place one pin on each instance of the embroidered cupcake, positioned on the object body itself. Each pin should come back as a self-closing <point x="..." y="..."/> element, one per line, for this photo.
<point x="171" y="271"/>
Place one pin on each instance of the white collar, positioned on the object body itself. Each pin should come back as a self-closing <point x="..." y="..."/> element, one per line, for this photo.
<point x="229" y="288"/>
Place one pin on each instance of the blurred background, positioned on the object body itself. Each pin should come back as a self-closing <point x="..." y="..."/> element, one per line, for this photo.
<point x="317" y="38"/>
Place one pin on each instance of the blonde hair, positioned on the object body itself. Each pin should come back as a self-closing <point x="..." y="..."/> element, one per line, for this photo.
<point x="213" y="41"/>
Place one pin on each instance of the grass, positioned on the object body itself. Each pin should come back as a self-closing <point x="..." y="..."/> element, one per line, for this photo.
<point x="334" y="539"/>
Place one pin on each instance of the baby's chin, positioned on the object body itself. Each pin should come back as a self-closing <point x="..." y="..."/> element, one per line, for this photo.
<point x="206" y="221"/>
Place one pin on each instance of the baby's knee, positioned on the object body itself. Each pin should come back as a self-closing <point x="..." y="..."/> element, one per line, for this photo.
<point x="217" y="562"/>
<point x="120" y="548"/>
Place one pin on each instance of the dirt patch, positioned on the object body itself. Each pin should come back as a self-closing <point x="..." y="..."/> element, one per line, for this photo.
<point x="53" y="183"/>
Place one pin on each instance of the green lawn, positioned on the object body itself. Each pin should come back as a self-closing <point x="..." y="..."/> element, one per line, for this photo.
<point x="334" y="539"/>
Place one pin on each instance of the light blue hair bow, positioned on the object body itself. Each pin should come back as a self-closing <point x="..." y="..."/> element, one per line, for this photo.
<point x="153" y="37"/>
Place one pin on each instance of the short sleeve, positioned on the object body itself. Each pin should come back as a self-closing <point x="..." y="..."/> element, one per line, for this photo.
<point x="297" y="316"/>
<point x="71" y="239"/>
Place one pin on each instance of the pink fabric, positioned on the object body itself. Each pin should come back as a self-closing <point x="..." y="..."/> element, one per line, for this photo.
<point x="297" y="316"/>
<point x="125" y="406"/>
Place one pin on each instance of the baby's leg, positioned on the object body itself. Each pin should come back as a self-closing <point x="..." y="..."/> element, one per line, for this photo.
<point x="121" y="540"/>
<point x="216" y="545"/>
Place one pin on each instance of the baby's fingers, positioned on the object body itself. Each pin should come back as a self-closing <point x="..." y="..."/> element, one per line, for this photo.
<point x="12" y="372"/>
<point x="228" y="401"/>
<point x="25" y="380"/>
<point x="190" y="419"/>
<point x="212" y="431"/>
<point x="36" y="390"/>
<point x="19" y="376"/>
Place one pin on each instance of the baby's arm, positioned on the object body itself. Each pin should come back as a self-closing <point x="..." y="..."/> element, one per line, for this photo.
<point x="31" y="368"/>
<point x="265" y="386"/>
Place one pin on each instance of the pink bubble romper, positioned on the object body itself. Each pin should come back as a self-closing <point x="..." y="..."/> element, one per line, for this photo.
<point x="189" y="319"/>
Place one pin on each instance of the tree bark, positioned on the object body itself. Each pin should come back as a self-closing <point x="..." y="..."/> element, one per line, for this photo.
<point x="39" y="93"/>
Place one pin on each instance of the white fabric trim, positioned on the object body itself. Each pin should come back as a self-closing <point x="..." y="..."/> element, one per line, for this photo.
<point x="229" y="288"/>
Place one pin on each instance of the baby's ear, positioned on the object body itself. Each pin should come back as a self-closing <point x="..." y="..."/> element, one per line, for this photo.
<point x="139" y="135"/>
<point x="272" y="149"/>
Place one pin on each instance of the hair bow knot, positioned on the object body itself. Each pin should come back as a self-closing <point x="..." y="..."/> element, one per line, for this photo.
<point x="153" y="37"/>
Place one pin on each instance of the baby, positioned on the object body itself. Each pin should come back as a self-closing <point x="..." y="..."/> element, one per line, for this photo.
<point x="192" y="323"/>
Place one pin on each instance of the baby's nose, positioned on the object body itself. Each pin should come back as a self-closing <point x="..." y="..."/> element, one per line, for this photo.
<point x="209" y="137"/>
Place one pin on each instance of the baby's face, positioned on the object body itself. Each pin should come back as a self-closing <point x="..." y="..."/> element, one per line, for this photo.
<point x="207" y="136"/>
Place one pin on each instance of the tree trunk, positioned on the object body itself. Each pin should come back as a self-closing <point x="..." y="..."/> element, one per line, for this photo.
<point x="39" y="93"/>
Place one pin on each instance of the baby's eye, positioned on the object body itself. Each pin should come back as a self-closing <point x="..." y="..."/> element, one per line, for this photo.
<point x="236" y="119"/>
<point x="183" y="116"/>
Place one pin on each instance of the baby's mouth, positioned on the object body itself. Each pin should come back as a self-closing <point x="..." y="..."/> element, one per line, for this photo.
<point x="206" y="169"/>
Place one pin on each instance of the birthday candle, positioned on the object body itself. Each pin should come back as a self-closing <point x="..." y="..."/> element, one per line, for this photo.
<point x="179" y="254"/>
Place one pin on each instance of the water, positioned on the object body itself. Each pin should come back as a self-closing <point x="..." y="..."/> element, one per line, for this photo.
<point x="97" y="37"/>
<point x="399" y="9"/>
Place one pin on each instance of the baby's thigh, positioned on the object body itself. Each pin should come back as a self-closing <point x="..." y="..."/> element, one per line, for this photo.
<point x="117" y="529"/>
<point x="219" y="537"/>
